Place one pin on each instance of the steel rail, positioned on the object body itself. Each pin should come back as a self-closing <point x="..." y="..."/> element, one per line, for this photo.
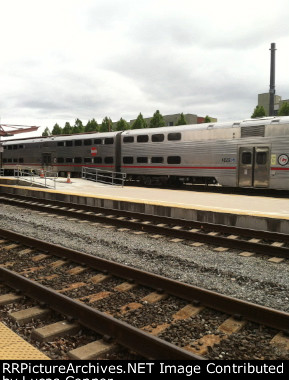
<point x="196" y="295"/>
<point x="126" y="335"/>
<point x="240" y="244"/>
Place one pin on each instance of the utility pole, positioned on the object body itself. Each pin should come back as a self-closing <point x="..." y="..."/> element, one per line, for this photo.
<point x="272" y="81"/>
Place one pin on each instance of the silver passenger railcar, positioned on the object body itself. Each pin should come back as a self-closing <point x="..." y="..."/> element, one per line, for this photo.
<point x="249" y="153"/>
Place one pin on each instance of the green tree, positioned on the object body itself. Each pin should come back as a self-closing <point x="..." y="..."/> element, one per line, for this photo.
<point x="57" y="130"/>
<point x="284" y="109"/>
<point x="106" y="125"/>
<point x="78" y="127"/>
<point x="259" y="111"/>
<point x="181" y="120"/>
<point x="207" y="119"/>
<point x="46" y="132"/>
<point x="139" y="123"/>
<point x="67" y="130"/>
<point x="157" y="120"/>
<point x="91" y="126"/>
<point x="122" y="125"/>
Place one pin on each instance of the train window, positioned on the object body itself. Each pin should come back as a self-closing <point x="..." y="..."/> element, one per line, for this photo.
<point x="77" y="142"/>
<point x="261" y="158"/>
<point x="21" y="160"/>
<point x="15" y="146"/>
<point x="9" y="159"/>
<point x="142" y="138"/>
<point x="246" y="158"/>
<point x="108" y="140"/>
<point x="174" y="136"/>
<point x="174" y="160"/>
<point x="69" y="143"/>
<point x="97" y="141"/>
<point x="60" y="143"/>
<point x="97" y="160"/>
<point x="20" y="146"/>
<point x="108" y="160"/>
<point x="4" y="160"/>
<point x="87" y="160"/>
<point x="78" y="160"/>
<point x="9" y="147"/>
<point x="60" y="160"/>
<point x="127" y="160"/>
<point x="15" y="159"/>
<point x="68" y="159"/>
<point x="128" y="139"/>
<point x="142" y="160"/>
<point x="87" y="142"/>
<point x="157" y="160"/>
<point x="159" y="137"/>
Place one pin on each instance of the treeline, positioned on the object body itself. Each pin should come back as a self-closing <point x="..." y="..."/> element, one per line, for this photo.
<point x="259" y="111"/>
<point x="107" y="125"/>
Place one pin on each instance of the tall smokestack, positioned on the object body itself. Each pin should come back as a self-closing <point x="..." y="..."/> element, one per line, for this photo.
<point x="272" y="80"/>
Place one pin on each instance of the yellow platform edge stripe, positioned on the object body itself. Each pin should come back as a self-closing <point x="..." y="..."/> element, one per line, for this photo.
<point x="13" y="347"/>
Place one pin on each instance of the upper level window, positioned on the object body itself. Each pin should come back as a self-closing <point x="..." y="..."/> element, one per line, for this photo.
<point x="108" y="140"/>
<point x="174" y="136"/>
<point x="77" y="142"/>
<point x="60" y="143"/>
<point x="142" y="138"/>
<point x="128" y="139"/>
<point x="97" y="141"/>
<point x="68" y="143"/>
<point x="87" y="142"/>
<point x="158" y="137"/>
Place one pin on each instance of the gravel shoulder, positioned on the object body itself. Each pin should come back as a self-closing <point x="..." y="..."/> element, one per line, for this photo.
<point x="252" y="279"/>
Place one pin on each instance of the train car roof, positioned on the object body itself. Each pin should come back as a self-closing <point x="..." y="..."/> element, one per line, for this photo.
<point x="89" y="135"/>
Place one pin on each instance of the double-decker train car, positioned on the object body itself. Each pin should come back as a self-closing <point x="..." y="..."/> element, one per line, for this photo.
<point x="249" y="153"/>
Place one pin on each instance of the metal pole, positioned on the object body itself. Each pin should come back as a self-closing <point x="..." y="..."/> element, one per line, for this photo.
<point x="272" y="80"/>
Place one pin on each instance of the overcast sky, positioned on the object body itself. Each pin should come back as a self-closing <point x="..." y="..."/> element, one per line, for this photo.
<point x="68" y="59"/>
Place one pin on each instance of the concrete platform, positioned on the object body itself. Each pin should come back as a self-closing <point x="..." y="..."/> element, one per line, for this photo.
<point x="264" y="213"/>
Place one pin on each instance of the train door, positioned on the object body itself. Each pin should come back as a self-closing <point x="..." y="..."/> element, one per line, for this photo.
<point x="46" y="160"/>
<point x="254" y="166"/>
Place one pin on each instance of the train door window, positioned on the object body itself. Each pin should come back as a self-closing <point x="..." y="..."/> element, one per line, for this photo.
<point x="60" y="143"/>
<point x="68" y="160"/>
<point x="97" y="141"/>
<point x="174" y="160"/>
<point x="78" y="160"/>
<point x="87" y="142"/>
<point x="128" y="139"/>
<point x="87" y="160"/>
<point x="77" y="142"/>
<point x="97" y="160"/>
<point x="157" y="160"/>
<point x="246" y="158"/>
<point x="261" y="158"/>
<point x="127" y="160"/>
<point x="158" y="137"/>
<point x="60" y="160"/>
<point x="174" y="136"/>
<point x="68" y="143"/>
<point x="142" y="160"/>
<point x="142" y="138"/>
<point x="108" y="140"/>
<point x="108" y="160"/>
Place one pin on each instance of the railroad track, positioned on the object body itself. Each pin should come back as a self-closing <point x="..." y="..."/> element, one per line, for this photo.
<point x="147" y="314"/>
<point x="224" y="237"/>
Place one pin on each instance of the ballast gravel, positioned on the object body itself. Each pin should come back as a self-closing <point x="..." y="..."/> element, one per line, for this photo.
<point x="253" y="279"/>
